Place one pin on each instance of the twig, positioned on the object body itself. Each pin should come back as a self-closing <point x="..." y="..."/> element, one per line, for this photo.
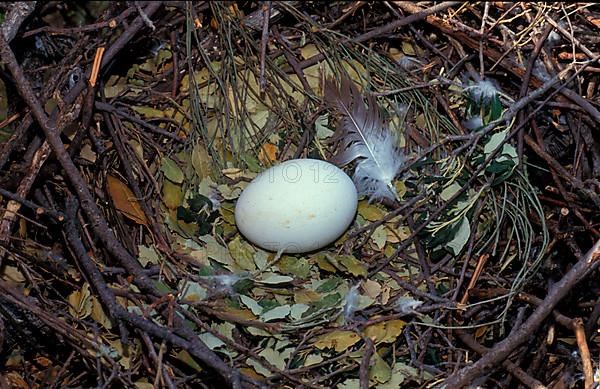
<point x="52" y="133"/>
<point x="266" y="9"/>
<point x="365" y="363"/>
<point x="19" y="11"/>
<point x="386" y="29"/>
<point x="589" y="262"/>
<point x="515" y="370"/>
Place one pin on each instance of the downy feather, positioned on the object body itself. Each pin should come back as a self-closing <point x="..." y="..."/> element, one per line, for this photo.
<point x="361" y="135"/>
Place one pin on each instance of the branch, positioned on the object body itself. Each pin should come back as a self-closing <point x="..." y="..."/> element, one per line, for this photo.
<point x="500" y="351"/>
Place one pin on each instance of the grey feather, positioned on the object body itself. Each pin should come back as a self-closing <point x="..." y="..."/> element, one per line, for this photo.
<point x="361" y="135"/>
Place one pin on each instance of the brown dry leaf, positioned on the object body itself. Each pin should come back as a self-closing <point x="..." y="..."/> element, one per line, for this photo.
<point x="125" y="201"/>
<point x="99" y="315"/>
<point x="268" y="153"/>
<point x="80" y="302"/>
<point x="241" y="314"/>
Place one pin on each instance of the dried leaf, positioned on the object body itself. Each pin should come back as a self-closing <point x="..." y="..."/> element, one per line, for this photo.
<point x="268" y="153"/>
<point x="99" y="315"/>
<point x="125" y="201"/>
<point x="385" y="331"/>
<point x="370" y="212"/>
<point x="353" y="265"/>
<point x="147" y="255"/>
<point x="242" y="253"/>
<point x="171" y="194"/>
<point x="186" y="358"/>
<point x="379" y="237"/>
<point x="272" y="356"/>
<point x="80" y="302"/>
<point x="371" y="288"/>
<point x="337" y="340"/>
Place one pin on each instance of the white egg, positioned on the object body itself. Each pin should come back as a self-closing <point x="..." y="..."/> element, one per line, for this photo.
<point x="298" y="206"/>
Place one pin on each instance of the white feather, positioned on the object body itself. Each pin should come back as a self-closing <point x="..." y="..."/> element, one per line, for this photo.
<point x="351" y="302"/>
<point x="361" y="135"/>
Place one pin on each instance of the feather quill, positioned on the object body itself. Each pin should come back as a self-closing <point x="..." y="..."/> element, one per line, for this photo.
<point x="362" y="135"/>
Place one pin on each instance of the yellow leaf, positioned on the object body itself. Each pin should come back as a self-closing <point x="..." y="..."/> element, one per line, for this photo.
<point x="124" y="200"/>
<point x="353" y="265"/>
<point x="408" y="49"/>
<point x="385" y="331"/>
<point x="370" y="211"/>
<point x="172" y="194"/>
<point x="337" y="340"/>
<point x="325" y="264"/>
<point x="480" y="332"/>
<point x="241" y="314"/>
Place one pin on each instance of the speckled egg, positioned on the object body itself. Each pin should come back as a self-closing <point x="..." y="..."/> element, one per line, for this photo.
<point x="298" y="206"/>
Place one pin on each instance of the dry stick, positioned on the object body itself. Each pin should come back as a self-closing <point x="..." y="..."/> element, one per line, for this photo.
<point x="99" y="224"/>
<point x="496" y="55"/>
<point x="18" y="12"/>
<point x="111" y="125"/>
<point x="12" y="208"/>
<point x="120" y="314"/>
<point x="52" y="133"/>
<point x="515" y="370"/>
<point x="155" y="129"/>
<point x="112" y="23"/>
<point x="266" y="9"/>
<point x="586" y="264"/>
<point x="475" y="277"/>
<point x="39" y="210"/>
<point x="576" y="325"/>
<point x="165" y="373"/>
<point x="365" y="362"/>
<point x="386" y="29"/>
<point x="525" y="86"/>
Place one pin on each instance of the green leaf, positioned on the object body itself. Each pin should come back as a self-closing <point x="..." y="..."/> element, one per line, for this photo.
<point x="353" y="265"/>
<point x="494" y="142"/>
<point x="252" y="305"/>
<point x="171" y="170"/>
<point x="274" y="279"/>
<point x="329" y="285"/>
<point x="321" y="128"/>
<point x="461" y="237"/>
<point x="449" y="191"/>
<point x="299" y="267"/>
<point x="380" y="371"/>
<point x="276" y="313"/>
